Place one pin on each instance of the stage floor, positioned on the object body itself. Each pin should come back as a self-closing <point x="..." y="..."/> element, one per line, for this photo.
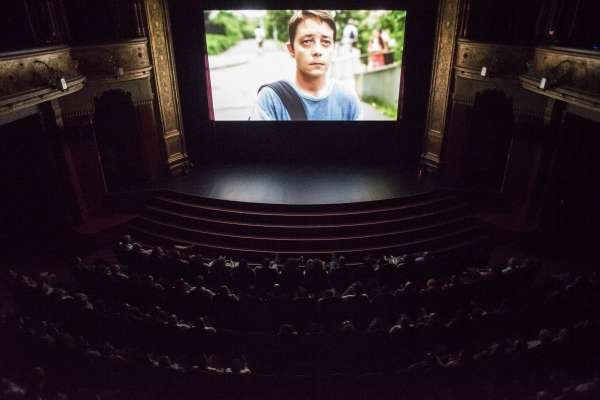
<point x="299" y="184"/>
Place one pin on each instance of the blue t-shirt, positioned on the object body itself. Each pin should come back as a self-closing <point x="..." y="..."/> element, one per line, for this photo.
<point x="337" y="103"/>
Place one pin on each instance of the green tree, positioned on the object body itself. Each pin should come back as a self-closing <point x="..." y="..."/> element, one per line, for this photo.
<point x="231" y="23"/>
<point x="224" y="29"/>
<point x="277" y="21"/>
<point x="395" y="23"/>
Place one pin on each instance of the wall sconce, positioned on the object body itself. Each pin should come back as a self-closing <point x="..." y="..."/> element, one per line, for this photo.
<point x="484" y="71"/>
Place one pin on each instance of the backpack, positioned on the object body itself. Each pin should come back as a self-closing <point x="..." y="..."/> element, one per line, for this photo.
<point x="290" y="99"/>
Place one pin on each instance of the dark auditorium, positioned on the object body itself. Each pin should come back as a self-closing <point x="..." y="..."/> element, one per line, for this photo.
<point x="230" y="199"/>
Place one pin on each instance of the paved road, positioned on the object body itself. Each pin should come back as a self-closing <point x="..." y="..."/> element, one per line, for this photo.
<point x="237" y="73"/>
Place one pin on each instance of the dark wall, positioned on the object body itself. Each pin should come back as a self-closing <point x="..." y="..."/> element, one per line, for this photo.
<point x="571" y="208"/>
<point x="32" y="23"/>
<point x="570" y="23"/>
<point x="99" y="21"/>
<point x="32" y="200"/>
<point x="508" y="21"/>
<point x="26" y="24"/>
<point x="311" y="141"/>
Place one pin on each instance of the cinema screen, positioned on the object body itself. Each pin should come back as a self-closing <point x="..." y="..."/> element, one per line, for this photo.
<point x="326" y="65"/>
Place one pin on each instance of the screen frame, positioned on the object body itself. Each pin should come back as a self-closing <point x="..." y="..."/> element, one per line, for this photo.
<point x="207" y="138"/>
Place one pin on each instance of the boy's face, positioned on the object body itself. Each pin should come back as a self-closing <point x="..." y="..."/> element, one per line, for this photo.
<point x="313" y="47"/>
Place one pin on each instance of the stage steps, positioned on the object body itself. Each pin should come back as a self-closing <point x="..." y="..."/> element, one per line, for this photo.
<point x="436" y="221"/>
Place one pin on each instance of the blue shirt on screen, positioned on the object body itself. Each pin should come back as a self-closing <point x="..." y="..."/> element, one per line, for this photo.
<point x="337" y="103"/>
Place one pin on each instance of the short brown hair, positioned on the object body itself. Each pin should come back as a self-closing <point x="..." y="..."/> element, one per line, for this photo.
<point x="301" y="15"/>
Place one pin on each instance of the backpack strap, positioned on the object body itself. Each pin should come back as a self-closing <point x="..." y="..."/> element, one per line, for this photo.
<point x="290" y="99"/>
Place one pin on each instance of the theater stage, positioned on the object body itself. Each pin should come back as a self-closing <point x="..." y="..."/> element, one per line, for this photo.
<point x="257" y="210"/>
<point x="299" y="184"/>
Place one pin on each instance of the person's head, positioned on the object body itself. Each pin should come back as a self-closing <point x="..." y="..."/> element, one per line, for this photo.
<point x="312" y="41"/>
<point x="223" y="290"/>
<point x="291" y="264"/>
<point x="125" y="239"/>
<point x="218" y="263"/>
<point x="378" y="36"/>
<point x="36" y="378"/>
<point x="347" y="326"/>
<point x="164" y="361"/>
<point x="287" y="330"/>
<point x="376" y="325"/>
<point x="315" y="328"/>
<point x="545" y="336"/>
<point x="237" y="365"/>
<point x="318" y="265"/>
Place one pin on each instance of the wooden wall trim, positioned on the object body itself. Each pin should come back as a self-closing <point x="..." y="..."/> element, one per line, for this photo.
<point x="165" y="81"/>
<point x="441" y="81"/>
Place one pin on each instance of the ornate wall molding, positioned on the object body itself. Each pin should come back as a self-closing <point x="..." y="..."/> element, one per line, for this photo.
<point x="31" y="77"/>
<point x="501" y="61"/>
<point x="525" y="103"/>
<point x="571" y="75"/>
<point x="124" y="65"/>
<point x="441" y="80"/>
<point x="161" y="51"/>
<point x="115" y="61"/>
<point x="82" y="103"/>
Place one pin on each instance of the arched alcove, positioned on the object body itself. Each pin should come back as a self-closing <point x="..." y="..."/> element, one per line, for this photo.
<point x="489" y="131"/>
<point x="118" y="139"/>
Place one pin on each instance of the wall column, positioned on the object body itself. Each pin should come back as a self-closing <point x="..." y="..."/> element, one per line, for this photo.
<point x="441" y="81"/>
<point x="165" y="82"/>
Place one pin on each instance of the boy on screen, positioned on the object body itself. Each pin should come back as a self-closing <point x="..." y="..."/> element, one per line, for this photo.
<point x="310" y="95"/>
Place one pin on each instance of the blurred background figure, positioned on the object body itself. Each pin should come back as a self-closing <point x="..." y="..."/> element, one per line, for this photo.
<point x="347" y="61"/>
<point x="378" y="46"/>
<point x="259" y="34"/>
<point x="349" y="34"/>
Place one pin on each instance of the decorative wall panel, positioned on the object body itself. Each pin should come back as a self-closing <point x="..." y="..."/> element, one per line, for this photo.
<point x="28" y="78"/>
<point x="125" y="65"/>
<point x="571" y="75"/>
<point x="115" y="61"/>
<point x="166" y="83"/>
<point x="525" y="102"/>
<point x="82" y="103"/>
<point x="500" y="61"/>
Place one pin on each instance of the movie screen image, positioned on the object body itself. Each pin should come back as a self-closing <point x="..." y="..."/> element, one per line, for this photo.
<point x="313" y="65"/>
